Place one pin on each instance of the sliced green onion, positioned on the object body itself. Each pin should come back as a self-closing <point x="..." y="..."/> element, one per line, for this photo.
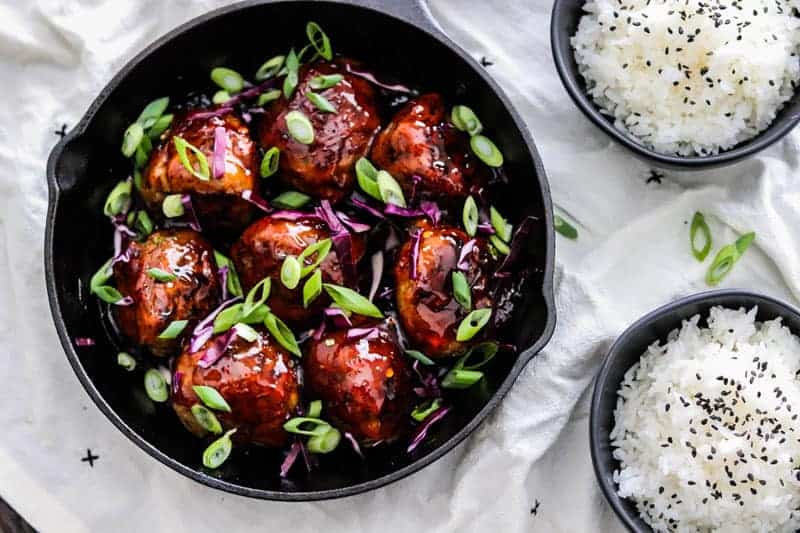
<point x="306" y="425"/>
<point x="501" y="226"/>
<point x="108" y="294"/>
<point x="257" y="296"/>
<point x="321" y="249"/>
<point x="470" y="216"/>
<point x="282" y="334"/>
<point x="267" y="97"/>
<point x="141" y="156"/>
<point x="211" y="398"/>
<point x="118" y="200"/>
<point x="322" y="103"/>
<point x="228" y="79"/>
<point x="126" y="361"/>
<point x="312" y="288"/>
<point x="172" y="206"/>
<point x="173" y="330"/>
<point x="152" y="112"/>
<point x="319" y="40"/>
<point x="700" y="227"/>
<point x="565" y="228"/>
<point x="234" y="285"/>
<point x="291" y="80"/>
<point x="137" y="179"/>
<point x="161" y="275"/>
<point x="291" y="200"/>
<point x="727" y="257"/>
<point x="367" y="176"/>
<point x="464" y="119"/>
<point x="218" y="451"/>
<point x="299" y="127"/>
<point x="221" y="96"/>
<point x="206" y="419"/>
<point x="423" y="411"/>
<point x="142" y="223"/>
<point x="155" y="386"/>
<point x="350" y="300"/>
<point x="271" y="67"/>
<point x="290" y="272"/>
<point x="160" y="126"/>
<point x="322" y="82"/>
<point x="421" y="357"/>
<point x="486" y="151"/>
<point x="461" y="379"/>
<point x="390" y="190"/>
<point x="461" y="290"/>
<point x="485" y="351"/>
<point x="325" y="443"/>
<point x="131" y="139"/>
<point x="499" y="245"/>
<point x="232" y="316"/>
<point x="314" y="409"/>
<point x="102" y="276"/>
<point x="473" y="323"/>
<point x="183" y="147"/>
<point x="269" y="165"/>
<point x="246" y="332"/>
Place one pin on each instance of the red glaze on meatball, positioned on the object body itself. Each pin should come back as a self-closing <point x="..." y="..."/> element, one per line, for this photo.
<point x="324" y="168"/>
<point x="217" y="201"/>
<point x="193" y="294"/>
<point x="259" y="381"/>
<point x="365" y="383"/>
<point x="428" y="311"/>
<point x="261" y="250"/>
<point x="419" y="143"/>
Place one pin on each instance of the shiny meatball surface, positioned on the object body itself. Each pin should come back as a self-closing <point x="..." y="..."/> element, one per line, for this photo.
<point x="324" y="168"/>
<point x="259" y="381"/>
<point x="260" y="253"/>
<point x="193" y="293"/>
<point x="428" y="311"/>
<point x="420" y="145"/>
<point x="365" y="383"/>
<point x="217" y="201"/>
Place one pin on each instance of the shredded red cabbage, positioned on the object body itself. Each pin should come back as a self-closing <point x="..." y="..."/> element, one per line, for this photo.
<point x="342" y="241"/>
<point x="319" y="331"/>
<point x="338" y="317"/>
<point x="486" y="227"/>
<point x="356" y="226"/>
<point x="415" y="179"/>
<point x="252" y="92"/>
<point x="247" y="117"/>
<point x="422" y="430"/>
<point x="217" y="349"/>
<point x="223" y="280"/>
<point x="366" y="207"/>
<point x="84" y="341"/>
<point x="291" y="457"/>
<point x="176" y="383"/>
<point x="377" y="273"/>
<point x="397" y="88"/>
<point x="120" y="255"/>
<point x="517" y="241"/>
<point x="417" y="239"/>
<point x="353" y="443"/>
<point x="463" y="257"/>
<point x="392" y="209"/>
<point x="360" y="333"/>
<point x="431" y="210"/>
<point x="191" y="216"/>
<point x="294" y="215"/>
<point x="328" y="215"/>
<point x="256" y="199"/>
<point x="205" y="328"/>
<point x="218" y="158"/>
<point x="125" y="301"/>
<point x="218" y="112"/>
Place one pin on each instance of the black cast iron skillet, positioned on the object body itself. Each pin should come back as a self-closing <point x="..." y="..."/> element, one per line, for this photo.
<point x="396" y="37"/>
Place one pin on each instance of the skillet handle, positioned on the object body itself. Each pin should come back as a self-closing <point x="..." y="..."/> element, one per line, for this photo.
<point x="415" y="12"/>
<point x="68" y="160"/>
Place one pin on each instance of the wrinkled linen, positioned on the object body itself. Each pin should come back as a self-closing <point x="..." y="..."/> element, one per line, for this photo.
<point x="526" y="469"/>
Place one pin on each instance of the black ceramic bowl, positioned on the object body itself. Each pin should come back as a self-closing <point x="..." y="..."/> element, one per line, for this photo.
<point x="628" y="349"/>
<point x="563" y="25"/>
<point x="395" y="37"/>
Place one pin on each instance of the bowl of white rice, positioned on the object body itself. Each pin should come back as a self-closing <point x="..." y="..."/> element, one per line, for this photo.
<point x="695" y="417"/>
<point x="682" y="83"/>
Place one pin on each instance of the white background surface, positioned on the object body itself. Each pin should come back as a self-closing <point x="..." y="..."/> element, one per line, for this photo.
<point x="632" y="256"/>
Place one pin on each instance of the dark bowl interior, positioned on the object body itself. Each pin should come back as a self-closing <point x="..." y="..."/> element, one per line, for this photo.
<point x="85" y="166"/>
<point x="628" y="349"/>
<point x="564" y="23"/>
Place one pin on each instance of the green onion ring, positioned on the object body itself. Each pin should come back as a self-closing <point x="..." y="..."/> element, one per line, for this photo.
<point x="228" y="79"/>
<point x="312" y="288"/>
<point x="486" y="151"/>
<point x="281" y="333"/>
<point x="322" y="82"/>
<point x="565" y="228"/>
<point x="470" y="216"/>
<point x="314" y="409"/>
<point x="221" y="96"/>
<point x="300" y="127"/>
<point x="461" y="290"/>
<point x="727" y="257"/>
<point x="218" y="451"/>
<point x="321" y="249"/>
<point x="464" y="119"/>
<point x="160" y="126"/>
<point x="155" y="386"/>
<point x="291" y="200"/>
<point x="424" y="410"/>
<point x="126" y="361"/>
<point x="320" y="102"/>
<point x="152" y="112"/>
<point x="499" y="245"/>
<point x="291" y="80"/>
<point x="323" y="47"/>
<point x="324" y="443"/>
<point x="161" y="275"/>
<point x="501" y="226"/>
<point x="290" y="272"/>
<point x="173" y="330"/>
<point x="270" y="163"/>
<point x="257" y="296"/>
<point x="295" y="425"/>
<point x="485" y="350"/>
<point x="108" y="294"/>
<point x="246" y="332"/>
<point x="473" y="323"/>
<point x="421" y="357"/>
<point x="118" y="200"/>
<point x="206" y="419"/>
<point x="211" y="398"/>
<point x="270" y="67"/>
<point x="700" y="227"/>
<point x="461" y="379"/>
<point x="350" y="300"/>
<point x="390" y="190"/>
<point x="131" y="139"/>
<point x="172" y="206"/>
<point x="183" y="147"/>
<point x="367" y="176"/>
<point x="267" y="97"/>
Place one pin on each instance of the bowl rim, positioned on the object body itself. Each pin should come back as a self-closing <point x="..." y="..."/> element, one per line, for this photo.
<point x="410" y="16"/>
<point x="601" y="384"/>
<point x="569" y="79"/>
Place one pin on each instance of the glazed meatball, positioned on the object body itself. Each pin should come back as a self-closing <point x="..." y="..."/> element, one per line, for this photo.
<point x="324" y="168"/>
<point x="217" y="201"/>
<point x="419" y="145"/>
<point x="193" y="293"/>
<point x="428" y="311"/>
<point x="257" y="379"/>
<point x="365" y="383"/>
<point x="261" y="250"/>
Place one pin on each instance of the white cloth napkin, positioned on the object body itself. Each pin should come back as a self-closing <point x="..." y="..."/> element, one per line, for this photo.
<point x="528" y="467"/>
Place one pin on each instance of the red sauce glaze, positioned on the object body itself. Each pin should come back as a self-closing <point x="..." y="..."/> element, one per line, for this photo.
<point x="194" y="293"/>
<point x="324" y="168"/>
<point x="428" y="312"/>
<point x="258" y="380"/>
<point x="365" y="384"/>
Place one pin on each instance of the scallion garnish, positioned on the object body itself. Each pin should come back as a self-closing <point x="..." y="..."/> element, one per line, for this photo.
<point x="473" y="323"/>
<point x="501" y="225"/>
<point x="314" y="409"/>
<point x="233" y="316"/>
<point x="206" y="419"/>
<point x="485" y="351"/>
<point x="233" y="283"/>
<point x="152" y="112"/>
<point x="270" y="67"/>
<point x="464" y="119"/>
<point x="160" y="126"/>
<point x="173" y="330"/>
<point x="291" y="200"/>
<point x="727" y="257"/>
<point x="228" y="79"/>
<point x="281" y="333"/>
<point x="312" y="288"/>
<point x="108" y="294"/>
<point x="320" y="102"/>
<point x="322" y="82"/>
<point x="461" y="290"/>
<point x="141" y="223"/>
<point x="300" y="128"/>
<point x="269" y="165"/>
<point x="126" y="361"/>
<point x="367" y="176"/>
<point x="267" y="97"/>
<point x="291" y="80"/>
<point x="172" y="206"/>
<point x="161" y="275"/>
<point x="98" y="287"/>
<point x="246" y="332"/>
<point x="423" y="411"/>
<point x="221" y="96"/>
<point x="131" y="139"/>
<point x="290" y="272"/>
<point x="486" y="151"/>
<point x="350" y="300"/>
<point x="700" y="227"/>
<point x="565" y="228"/>
<point x="256" y="296"/>
<point x="461" y="379"/>
<point x="421" y="357"/>
<point x="319" y="40"/>
<point x="306" y="425"/>
<point x="389" y="189"/>
<point x="499" y="245"/>
<point x="202" y="172"/>
<point x="155" y="386"/>
<point x="324" y="443"/>
<point x="470" y="216"/>
<point x="321" y="249"/>
<point x="118" y="200"/>
<point x="142" y="154"/>
<point x="211" y="398"/>
<point x="218" y="451"/>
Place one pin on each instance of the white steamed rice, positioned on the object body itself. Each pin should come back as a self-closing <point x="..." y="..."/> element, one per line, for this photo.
<point x="706" y="427"/>
<point x="689" y="77"/>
